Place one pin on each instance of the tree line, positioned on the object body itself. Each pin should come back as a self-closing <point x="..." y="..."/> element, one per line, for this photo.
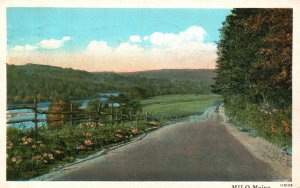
<point x="49" y="83"/>
<point x="254" y="69"/>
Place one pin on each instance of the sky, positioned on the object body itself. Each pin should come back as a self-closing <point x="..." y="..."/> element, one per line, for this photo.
<point x="114" y="39"/>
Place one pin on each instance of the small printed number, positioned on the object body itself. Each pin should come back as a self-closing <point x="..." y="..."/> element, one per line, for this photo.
<point x="286" y="185"/>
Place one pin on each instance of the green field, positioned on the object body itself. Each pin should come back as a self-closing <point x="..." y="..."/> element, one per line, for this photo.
<point x="180" y="105"/>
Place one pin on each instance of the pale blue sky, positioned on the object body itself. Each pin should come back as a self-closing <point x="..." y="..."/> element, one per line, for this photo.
<point x="114" y="39"/>
<point x="31" y="25"/>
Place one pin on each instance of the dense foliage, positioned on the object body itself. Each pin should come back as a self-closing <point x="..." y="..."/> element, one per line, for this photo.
<point x="58" y="106"/>
<point x="49" y="82"/>
<point x="254" y="70"/>
<point x="27" y="157"/>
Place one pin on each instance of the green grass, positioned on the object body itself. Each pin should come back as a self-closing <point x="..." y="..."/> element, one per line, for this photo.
<point x="180" y="105"/>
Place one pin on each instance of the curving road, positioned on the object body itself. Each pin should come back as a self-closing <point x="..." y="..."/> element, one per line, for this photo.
<point x="190" y="151"/>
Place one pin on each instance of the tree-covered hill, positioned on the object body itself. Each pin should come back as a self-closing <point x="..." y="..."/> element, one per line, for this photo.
<point x="183" y="80"/>
<point x="202" y="74"/>
<point x="48" y="82"/>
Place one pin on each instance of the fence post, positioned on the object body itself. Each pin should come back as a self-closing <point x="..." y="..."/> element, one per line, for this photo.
<point x="98" y="113"/>
<point x="112" y="116"/>
<point x="130" y="117"/>
<point x="35" y="118"/>
<point x="71" y="114"/>
<point x="122" y="117"/>
<point x="137" y="120"/>
<point x="117" y="114"/>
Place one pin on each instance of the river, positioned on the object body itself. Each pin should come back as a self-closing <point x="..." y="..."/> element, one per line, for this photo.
<point x="24" y="114"/>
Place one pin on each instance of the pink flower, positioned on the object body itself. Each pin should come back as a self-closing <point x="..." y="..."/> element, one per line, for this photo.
<point x="135" y="130"/>
<point x="88" y="134"/>
<point x="88" y="142"/>
<point x="119" y="135"/>
<point x="16" y="160"/>
<point x="26" y="140"/>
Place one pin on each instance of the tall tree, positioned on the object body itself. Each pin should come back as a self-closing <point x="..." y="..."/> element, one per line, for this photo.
<point x="255" y="56"/>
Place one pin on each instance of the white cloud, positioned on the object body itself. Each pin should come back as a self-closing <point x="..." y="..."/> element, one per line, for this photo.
<point x="127" y="49"/>
<point x="66" y="38"/>
<point x="98" y="48"/>
<point x="163" y="39"/>
<point x="47" y="44"/>
<point x="187" y="46"/>
<point x="101" y="48"/>
<point x="135" y="38"/>
<point x="185" y="49"/>
<point x="192" y="34"/>
<point x="145" y="38"/>
<point x="53" y="43"/>
<point x="26" y="47"/>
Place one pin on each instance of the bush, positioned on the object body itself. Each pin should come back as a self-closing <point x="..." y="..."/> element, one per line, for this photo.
<point x="27" y="157"/>
<point x="58" y="120"/>
<point x="272" y="123"/>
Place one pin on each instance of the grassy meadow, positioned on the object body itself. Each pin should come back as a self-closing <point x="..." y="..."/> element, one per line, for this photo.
<point x="180" y="105"/>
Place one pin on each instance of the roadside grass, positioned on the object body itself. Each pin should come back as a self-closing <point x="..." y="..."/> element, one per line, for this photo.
<point x="271" y="123"/>
<point x="28" y="157"/>
<point x="180" y="105"/>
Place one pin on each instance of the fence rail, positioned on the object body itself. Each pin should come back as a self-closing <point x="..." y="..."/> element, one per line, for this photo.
<point x="76" y="115"/>
<point x="19" y="107"/>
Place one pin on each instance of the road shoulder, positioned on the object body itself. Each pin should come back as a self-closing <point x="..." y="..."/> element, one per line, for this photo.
<point x="279" y="160"/>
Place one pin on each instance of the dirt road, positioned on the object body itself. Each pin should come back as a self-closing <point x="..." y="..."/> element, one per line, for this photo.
<point x="191" y="151"/>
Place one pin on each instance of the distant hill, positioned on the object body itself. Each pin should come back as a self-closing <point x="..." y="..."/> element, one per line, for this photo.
<point x="203" y="74"/>
<point x="48" y="82"/>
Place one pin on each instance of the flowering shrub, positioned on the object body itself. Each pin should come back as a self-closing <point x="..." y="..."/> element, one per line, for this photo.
<point x="27" y="157"/>
<point x="88" y="142"/>
<point x="135" y="130"/>
<point x="88" y="134"/>
<point x="269" y="122"/>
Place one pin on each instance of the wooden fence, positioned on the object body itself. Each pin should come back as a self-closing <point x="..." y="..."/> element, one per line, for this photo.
<point x="82" y="115"/>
